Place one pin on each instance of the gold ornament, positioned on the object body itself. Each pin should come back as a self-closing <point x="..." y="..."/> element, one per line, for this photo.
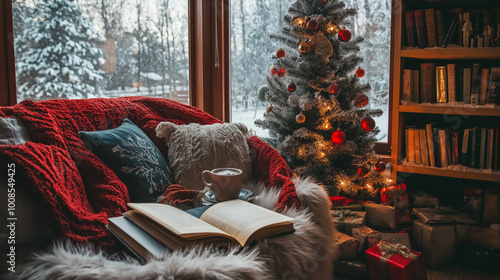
<point x="269" y="108"/>
<point x="304" y="47"/>
<point x="300" y="118"/>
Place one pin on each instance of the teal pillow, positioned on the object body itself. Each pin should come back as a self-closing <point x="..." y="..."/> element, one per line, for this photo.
<point x="135" y="159"/>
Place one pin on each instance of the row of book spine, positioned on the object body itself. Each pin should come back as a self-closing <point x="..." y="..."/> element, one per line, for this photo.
<point x="441" y="147"/>
<point x="431" y="27"/>
<point x="470" y="84"/>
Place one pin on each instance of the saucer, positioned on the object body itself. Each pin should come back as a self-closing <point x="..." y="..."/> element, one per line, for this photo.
<point x="209" y="197"/>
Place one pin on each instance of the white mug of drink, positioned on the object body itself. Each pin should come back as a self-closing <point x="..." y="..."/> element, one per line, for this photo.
<point x="224" y="182"/>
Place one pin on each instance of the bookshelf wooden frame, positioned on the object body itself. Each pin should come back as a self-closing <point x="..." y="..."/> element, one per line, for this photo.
<point x="401" y="113"/>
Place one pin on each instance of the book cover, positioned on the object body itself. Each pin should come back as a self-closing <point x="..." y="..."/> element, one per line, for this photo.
<point x="430" y="23"/>
<point x="489" y="148"/>
<point x="430" y="144"/>
<point x="482" y="148"/>
<point x="427" y="83"/>
<point x="452" y="82"/>
<point x="493" y="95"/>
<point x="466" y="84"/>
<point x="406" y="92"/>
<point x="411" y="35"/>
<point x="424" y="152"/>
<point x="485" y="75"/>
<point x="466" y="147"/>
<point x="441" y="84"/>
<point x="455" y="147"/>
<point x="440" y="27"/>
<point x="420" y="28"/>
<point x="416" y="139"/>
<point x="475" y="84"/>
<point x="437" y="146"/>
<point x="496" y="149"/>
<point x="415" y="86"/>
<point x="411" y="145"/>
<point x="475" y="146"/>
<point x="443" y="148"/>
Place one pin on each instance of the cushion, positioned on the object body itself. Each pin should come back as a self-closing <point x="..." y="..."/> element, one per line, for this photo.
<point x="193" y="148"/>
<point x="12" y="132"/>
<point x="134" y="158"/>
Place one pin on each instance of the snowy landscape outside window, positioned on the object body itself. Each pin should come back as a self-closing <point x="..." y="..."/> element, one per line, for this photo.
<point x="251" y="23"/>
<point x="101" y="48"/>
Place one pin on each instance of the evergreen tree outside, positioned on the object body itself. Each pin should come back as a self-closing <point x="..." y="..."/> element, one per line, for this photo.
<point x="58" y="55"/>
<point x="318" y="117"/>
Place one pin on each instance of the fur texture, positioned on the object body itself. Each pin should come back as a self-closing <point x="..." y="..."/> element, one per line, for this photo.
<point x="306" y="254"/>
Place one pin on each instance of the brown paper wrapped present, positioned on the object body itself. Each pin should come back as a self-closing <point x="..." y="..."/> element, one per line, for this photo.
<point x="366" y="237"/>
<point x="353" y="268"/>
<point x="352" y="207"/>
<point x="438" y="242"/>
<point x="442" y="215"/>
<point x="401" y="238"/>
<point x="345" y="220"/>
<point x="380" y="216"/>
<point x="348" y="246"/>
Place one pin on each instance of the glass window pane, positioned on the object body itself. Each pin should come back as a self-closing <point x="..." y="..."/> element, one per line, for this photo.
<point x="101" y="48"/>
<point x="252" y="21"/>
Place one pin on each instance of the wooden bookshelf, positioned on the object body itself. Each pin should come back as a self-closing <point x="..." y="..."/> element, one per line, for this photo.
<point x="418" y="115"/>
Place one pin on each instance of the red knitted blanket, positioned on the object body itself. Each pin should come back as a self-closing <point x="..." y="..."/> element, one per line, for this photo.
<point x="79" y="189"/>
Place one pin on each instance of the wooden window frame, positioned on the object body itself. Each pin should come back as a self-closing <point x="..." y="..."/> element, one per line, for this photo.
<point x="208" y="84"/>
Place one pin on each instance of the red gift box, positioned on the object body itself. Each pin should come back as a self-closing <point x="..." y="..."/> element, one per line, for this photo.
<point x="394" y="261"/>
<point x="396" y="196"/>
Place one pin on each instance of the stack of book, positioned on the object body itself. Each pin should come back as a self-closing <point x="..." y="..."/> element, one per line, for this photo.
<point x="467" y="83"/>
<point x="432" y="27"/>
<point x="151" y="229"/>
<point x="475" y="147"/>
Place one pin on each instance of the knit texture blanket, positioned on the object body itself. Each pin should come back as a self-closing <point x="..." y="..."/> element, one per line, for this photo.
<point x="78" y="188"/>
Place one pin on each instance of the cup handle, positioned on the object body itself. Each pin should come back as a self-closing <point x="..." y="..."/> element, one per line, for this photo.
<point x="203" y="177"/>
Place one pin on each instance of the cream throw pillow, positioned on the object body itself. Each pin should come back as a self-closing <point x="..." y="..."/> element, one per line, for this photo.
<point x="193" y="148"/>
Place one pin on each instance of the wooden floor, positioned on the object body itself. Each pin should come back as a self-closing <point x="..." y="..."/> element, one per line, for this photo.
<point x="450" y="272"/>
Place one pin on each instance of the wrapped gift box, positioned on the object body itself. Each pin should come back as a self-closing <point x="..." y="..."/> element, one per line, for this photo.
<point x="366" y="237"/>
<point x="380" y="216"/>
<point x="401" y="238"/>
<point x="353" y="268"/>
<point x="345" y="220"/>
<point x="394" y="261"/>
<point x="421" y="199"/>
<point x="348" y="246"/>
<point x="438" y="241"/>
<point x="396" y="196"/>
<point x="442" y="215"/>
<point x="352" y="207"/>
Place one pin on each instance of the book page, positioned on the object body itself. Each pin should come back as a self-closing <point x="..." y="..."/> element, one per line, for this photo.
<point x="175" y="219"/>
<point x="240" y="218"/>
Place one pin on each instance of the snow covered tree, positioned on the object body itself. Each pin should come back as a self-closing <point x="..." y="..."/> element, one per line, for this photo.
<point x="59" y="58"/>
<point x="317" y="117"/>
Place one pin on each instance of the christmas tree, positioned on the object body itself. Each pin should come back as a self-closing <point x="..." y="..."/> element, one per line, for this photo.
<point x="317" y="117"/>
<point x="56" y="51"/>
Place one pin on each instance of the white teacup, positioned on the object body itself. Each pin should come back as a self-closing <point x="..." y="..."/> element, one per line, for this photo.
<point x="224" y="182"/>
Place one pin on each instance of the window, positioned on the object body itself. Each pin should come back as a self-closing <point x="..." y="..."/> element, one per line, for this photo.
<point x="251" y="23"/>
<point x="101" y="48"/>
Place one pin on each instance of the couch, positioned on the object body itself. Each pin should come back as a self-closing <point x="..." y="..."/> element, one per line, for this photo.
<point x="65" y="194"/>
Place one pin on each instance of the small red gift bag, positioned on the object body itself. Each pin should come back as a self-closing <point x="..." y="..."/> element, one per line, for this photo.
<point x="396" y="196"/>
<point x="395" y="261"/>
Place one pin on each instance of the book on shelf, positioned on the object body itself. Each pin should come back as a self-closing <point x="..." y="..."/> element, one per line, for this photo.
<point x="466" y="147"/>
<point x="410" y="138"/>
<point x="452" y="82"/>
<point x="411" y="35"/>
<point x="440" y="27"/>
<point x="416" y="139"/>
<point x="444" y="147"/>
<point x="482" y="148"/>
<point x="475" y="145"/>
<point x="489" y="148"/>
<point x="427" y="83"/>
<point x="430" y="144"/>
<point x="493" y="95"/>
<point x="430" y="24"/>
<point x="410" y="92"/>
<point x="485" y="75"/>
<point x="415" y="86"/>
<point x="496" y="149"/>
<point x="234" y="222"/>
<point x="455" y="147"/>
<point x="441" y="84"/>
<point x="466" y="84"/>
<point x="475" y="84"/>
<point x="424" y="152"/>
<point x="420" y="27"/>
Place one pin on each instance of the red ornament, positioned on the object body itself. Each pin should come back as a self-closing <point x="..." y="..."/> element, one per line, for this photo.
<point x="344" y="35"/>
<point x="361" y="101"/>
<point x="338" y="137"/>
<point x="367" y="124"/>
<point x="280" y="53"/>
<point x="363" y="171"/>
<point x="380" y="166"/>
<point x="312" y="25"/>
<point x="273" y="70"/>
<point x="360" y="72"/>
<point x="291" y="87"/>
<point x="281" y="72"/>
<point x="333" y="88"/>
<point x="300" y="118"/>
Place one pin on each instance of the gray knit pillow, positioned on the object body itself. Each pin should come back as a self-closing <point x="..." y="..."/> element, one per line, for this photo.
<point x="193" y="148"/>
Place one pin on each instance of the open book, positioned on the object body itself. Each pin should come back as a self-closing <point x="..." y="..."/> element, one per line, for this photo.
<point x="225" y="223"/>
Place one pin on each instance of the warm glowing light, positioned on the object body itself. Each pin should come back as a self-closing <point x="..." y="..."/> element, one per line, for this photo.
<point x="322" y="155"/>
<point x="390" y="181"/>
<point x="327" y="125"/>
<point x="342" y="183"/>
<point x="369" y="186"/>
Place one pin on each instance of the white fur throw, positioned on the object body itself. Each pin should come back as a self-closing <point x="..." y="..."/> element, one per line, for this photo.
<point x="306" y="254"/>
<point x="193" y="148"/>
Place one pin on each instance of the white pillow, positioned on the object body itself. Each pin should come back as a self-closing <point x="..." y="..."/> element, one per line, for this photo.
<point x="12" y="132"/>
<point x="193" y="148"/>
